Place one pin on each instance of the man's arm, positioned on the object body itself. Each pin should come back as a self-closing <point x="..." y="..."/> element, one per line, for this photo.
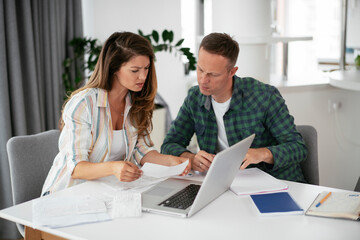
<point x="180" y="133"/>
<point x="291" y="148"/>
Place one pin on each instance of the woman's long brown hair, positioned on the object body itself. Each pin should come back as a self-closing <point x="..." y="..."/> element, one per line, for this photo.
<point x="118" y="49"/>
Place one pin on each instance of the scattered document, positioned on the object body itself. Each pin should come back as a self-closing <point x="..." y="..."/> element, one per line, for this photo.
<point x="256" y="181"/>
<point x="139" y="184"/>
<point x="62" y="211"/>
<point x="161" y="171"/>
<point x="192" y="176"/>
<point x="126" y="204"/>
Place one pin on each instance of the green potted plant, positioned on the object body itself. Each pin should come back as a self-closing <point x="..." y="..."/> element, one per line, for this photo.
<point x="357" y="62"/>
<point x="165" y="43"/>
<point x="87" y="52"/>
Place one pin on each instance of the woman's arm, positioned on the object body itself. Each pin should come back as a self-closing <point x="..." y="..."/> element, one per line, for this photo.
<point x="123" y="170"/>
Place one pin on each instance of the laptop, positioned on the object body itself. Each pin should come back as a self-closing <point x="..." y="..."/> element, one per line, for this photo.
<point x="183" y="197"/>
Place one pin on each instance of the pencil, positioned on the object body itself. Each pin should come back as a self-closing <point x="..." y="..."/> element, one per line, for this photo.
<point x="323" y="200"/>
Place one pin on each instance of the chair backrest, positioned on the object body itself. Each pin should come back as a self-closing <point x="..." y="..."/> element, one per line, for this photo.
<point x="30" y="159"/>
<point x="310" y="166"/>
<point x="357" y="187"/>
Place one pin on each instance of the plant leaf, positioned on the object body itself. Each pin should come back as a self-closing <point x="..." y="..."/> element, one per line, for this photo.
<point x="179" y="42"/>
<point x="171" y="36"/>
<point x="165" y="35"/>
<point x="155" y="36"/>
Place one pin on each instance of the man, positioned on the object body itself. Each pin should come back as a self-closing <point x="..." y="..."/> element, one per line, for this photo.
<point x="224" y="109"/>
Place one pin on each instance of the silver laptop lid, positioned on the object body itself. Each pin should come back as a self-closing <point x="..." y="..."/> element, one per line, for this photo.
<point x="221" y="173"/>
<point x="217" y="180"/>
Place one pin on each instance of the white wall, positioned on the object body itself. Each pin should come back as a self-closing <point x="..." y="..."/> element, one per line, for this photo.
<point x="339" y="160"/>
<point x="103" y="17"/>
<point x="353" y="36"/>
<point x="249" y="23"/>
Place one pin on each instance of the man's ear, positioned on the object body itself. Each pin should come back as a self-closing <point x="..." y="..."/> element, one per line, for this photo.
<point x="233" y="71"/>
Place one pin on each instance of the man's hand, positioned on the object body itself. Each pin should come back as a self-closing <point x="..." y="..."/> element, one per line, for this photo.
<point x="200" y="161"/>
<point x="257" y="155"/>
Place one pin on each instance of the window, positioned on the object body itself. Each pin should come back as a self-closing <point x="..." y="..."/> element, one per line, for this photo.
<point x="320" y="19"/>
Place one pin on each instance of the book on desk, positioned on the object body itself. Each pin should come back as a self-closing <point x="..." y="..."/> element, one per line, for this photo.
<point x="336" y="205"/>
<point x="279" y="203"/>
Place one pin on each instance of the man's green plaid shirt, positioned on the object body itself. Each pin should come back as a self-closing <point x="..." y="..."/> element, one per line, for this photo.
<point x="255" y="107"/>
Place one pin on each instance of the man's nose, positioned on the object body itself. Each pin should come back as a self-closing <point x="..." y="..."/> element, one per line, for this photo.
<point x="203" y="78"/>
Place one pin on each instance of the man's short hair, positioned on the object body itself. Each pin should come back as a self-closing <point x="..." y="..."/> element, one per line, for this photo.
<point x="221" y="44"/>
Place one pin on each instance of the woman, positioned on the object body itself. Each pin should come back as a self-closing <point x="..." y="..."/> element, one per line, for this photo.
<point x="105" y="124"/>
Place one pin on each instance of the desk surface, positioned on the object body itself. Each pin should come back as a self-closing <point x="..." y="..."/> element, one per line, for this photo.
<point x="228" y="217"/>
<point x="348" y="79"/>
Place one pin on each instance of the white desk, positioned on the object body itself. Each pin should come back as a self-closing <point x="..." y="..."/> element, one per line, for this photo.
<point x="228" y="217"/>
<point x="348" y="79"/>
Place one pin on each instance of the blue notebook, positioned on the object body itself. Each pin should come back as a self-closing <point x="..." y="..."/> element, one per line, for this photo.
<point x="276" y="203"/>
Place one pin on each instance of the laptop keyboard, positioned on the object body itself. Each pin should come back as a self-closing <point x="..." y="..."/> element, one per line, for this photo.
<point x="182" y="199"/>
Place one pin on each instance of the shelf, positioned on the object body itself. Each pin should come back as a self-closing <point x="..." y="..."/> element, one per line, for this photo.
<point x="286" y="39"/>
<point x="346" y="79"/>
<point x="268" y="39"/>
<point x="273" y="39"/>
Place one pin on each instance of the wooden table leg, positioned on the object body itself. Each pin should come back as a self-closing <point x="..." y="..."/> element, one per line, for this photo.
<point x="32" y="234"/>
<point x="35" y="234"/>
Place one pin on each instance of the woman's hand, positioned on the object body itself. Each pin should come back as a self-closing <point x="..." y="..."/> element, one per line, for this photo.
<point x="125" y="171"/>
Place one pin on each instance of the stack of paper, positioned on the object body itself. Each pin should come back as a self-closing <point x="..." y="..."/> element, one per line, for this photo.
<point x="56" y="211"/>
<point x="126" y="204"/>
<point x="256" y="181"/>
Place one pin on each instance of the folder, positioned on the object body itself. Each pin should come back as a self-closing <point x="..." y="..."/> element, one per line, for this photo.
<point x="280" y="203"/>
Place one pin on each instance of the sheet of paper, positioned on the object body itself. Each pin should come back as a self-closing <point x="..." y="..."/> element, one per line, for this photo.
<point x="160" y="171"/>
<point x="256" y="181"/>
<point x="193" y="176"/>
<point x="61" y="211"/>
<point x="139" y="184"/>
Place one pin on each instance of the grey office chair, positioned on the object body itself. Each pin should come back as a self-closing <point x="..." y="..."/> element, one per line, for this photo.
<point x="310" y="166"/>
<point x="357" y="187"/>
<point x="30" y="159"/>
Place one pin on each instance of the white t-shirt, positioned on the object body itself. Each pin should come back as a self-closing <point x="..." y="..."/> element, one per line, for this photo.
<point x="118" y="148"/>
<point x="220" y="109"/>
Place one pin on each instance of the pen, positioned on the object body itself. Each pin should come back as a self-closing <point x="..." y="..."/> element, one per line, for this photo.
<point x="323" y="200"/>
